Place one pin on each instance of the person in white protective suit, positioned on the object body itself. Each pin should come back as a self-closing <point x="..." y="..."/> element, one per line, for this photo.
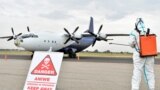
<point x="143" y="65"/>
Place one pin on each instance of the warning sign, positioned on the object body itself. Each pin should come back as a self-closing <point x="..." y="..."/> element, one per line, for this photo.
<point x="44" y="71"/>
<point x="45" y="67"/>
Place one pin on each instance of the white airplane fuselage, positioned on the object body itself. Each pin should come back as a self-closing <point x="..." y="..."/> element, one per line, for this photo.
<point x="43" y="42"/>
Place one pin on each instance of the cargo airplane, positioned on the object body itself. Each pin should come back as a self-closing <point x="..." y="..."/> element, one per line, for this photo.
<point x="69" y="43"/>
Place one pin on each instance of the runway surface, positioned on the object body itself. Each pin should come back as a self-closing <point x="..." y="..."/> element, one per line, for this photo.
<point x="86" y="74"/>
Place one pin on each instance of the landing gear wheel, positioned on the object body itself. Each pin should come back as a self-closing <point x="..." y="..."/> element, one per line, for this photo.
<point x="72" y="54"/>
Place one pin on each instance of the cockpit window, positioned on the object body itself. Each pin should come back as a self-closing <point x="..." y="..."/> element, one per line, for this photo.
<point x="31" y="35"/>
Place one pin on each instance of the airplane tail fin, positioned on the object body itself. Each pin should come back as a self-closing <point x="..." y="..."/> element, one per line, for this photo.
<point x="91" y="26"/>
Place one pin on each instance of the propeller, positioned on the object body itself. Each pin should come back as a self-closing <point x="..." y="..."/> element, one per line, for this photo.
<point x="97" y="36"/>
<point x="13" y="36"/>
<point x="71" y="36"/>
<point x="28" y="29"/>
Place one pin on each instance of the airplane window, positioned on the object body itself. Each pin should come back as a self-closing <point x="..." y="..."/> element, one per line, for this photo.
<point x="44" y="40"/>
<point x="48" y="41"/>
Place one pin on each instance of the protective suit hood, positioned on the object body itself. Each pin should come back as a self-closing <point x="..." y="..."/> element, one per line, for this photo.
<point x="140" y="26"/>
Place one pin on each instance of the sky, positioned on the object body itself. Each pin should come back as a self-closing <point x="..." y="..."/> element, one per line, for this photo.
<point x="117" y="16"/>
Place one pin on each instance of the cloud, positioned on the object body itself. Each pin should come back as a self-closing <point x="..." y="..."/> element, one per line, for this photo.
<point x="57" y="15"/>
<point x="116" y="9"/>
<point x="53" y="9"/>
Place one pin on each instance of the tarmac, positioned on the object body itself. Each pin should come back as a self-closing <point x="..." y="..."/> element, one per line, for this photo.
<point x="88" y="73"/>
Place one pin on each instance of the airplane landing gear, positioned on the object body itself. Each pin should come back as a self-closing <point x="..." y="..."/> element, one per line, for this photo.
<point x="72" y="54"/>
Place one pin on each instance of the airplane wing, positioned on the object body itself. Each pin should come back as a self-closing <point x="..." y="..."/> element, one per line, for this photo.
<point x="101" y="36"/>
<point x="86" y="35"/>
<point x="117" y="35"/>
<point x="89" y="35"/>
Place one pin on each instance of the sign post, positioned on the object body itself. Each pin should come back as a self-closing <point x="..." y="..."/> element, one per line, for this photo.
<point x="44" y="71"/>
